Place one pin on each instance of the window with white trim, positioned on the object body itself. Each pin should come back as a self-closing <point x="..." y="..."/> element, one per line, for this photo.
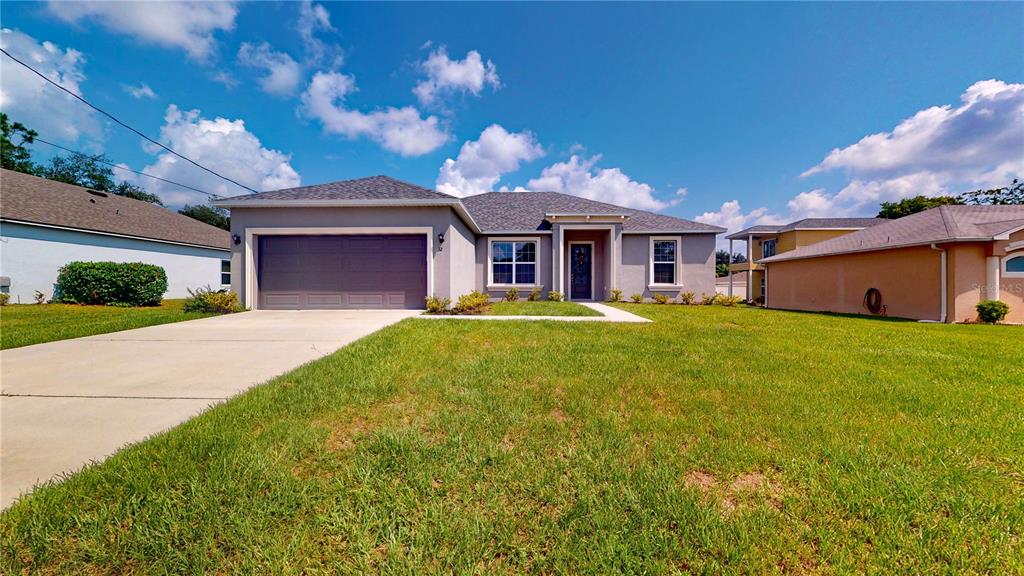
<point x="768" y="248"/>
<point x="663" y="261"/>
<point x="225" y="272"/>
<point x="1013" y="266"/>
<point x="514" y="262"/>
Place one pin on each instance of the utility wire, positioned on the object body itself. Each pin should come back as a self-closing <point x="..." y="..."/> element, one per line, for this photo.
<point x="108" y="115"/>
<point x="118" y="167"/>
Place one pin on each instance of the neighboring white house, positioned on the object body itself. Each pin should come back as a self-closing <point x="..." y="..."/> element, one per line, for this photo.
<point x="46" y="224"/>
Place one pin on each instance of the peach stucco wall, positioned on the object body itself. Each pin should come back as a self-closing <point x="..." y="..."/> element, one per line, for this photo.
<point x="1011" y="290"/>
<point x="908" y="279"/>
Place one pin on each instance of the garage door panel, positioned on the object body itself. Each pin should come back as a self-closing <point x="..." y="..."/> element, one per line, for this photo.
<point x="342" y="271"/>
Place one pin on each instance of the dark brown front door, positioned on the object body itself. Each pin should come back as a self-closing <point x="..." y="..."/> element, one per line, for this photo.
<point x="310" y="272"/>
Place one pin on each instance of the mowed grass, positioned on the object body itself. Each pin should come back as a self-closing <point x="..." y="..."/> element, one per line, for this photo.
<point x="25" y="324"/>
<point x="540" y="308"/>
<point x="714" y="440"/>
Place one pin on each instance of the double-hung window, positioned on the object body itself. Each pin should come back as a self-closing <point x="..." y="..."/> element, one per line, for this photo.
<point x="514" y="262"/>
<point x="664" y="255"/>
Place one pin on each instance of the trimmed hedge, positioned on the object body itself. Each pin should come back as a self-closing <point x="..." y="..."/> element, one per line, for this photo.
<point x="112" y="283"/>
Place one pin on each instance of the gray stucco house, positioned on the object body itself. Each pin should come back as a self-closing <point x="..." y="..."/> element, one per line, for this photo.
<point x="381" y="243"/>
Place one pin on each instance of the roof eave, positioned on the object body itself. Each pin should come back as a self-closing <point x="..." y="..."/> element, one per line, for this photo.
<point x="226" y="248"/>
<point x="787" y="258"/>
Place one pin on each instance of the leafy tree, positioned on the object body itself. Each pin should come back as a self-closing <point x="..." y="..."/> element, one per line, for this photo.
<point x="134" y="192"/>
<point x="1012" y="194"/>
<point x="908" y="206"/>
<point x="212" y="215"/>
<point x="722" y="261"/>
<point x="13" y="154"/>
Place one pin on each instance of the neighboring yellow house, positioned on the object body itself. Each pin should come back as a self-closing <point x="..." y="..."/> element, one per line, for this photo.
<point x="767" y="240"/>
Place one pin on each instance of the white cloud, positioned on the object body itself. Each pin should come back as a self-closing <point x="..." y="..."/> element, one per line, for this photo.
<point x="580" y="177"/>
<point x="938" y="150"/>
<point x="283" y="73"/>
<point x="314" y="19"/>
<point x="446" y="76"/>
<point x="186" y="25"/>
<point x="223" y="145"/>
<point x="29" y="99"/>
<point x="400" y="130"/>
<point x="141" y="91"/>
<point x="481" y="162"/>
<point x="731" y="217"/>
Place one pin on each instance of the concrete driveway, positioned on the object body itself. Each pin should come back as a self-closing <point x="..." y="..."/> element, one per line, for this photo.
<point x="67" y="403"/>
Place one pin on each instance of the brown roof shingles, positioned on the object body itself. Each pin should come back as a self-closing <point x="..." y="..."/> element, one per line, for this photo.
<point x="941" y="224"/>
<point x="26" y="198"/>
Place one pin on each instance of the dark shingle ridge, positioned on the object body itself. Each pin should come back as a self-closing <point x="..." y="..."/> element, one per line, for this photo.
<point x="378" y="187"/>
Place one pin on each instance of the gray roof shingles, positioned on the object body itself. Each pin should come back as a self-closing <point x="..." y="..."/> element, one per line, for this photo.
<point x="805" y="224"/>
<point x="525" y="211"/>
<point x="941" y="224"/>
<point x="27" y="198"/>
<point x="372" y="188"/>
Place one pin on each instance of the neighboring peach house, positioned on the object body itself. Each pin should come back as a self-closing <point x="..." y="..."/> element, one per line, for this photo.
<point x="766" y="240"/>
<point x="935" y="265"/>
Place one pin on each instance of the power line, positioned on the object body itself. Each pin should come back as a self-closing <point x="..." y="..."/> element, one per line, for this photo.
<point x="118" y="167"/>
<point x="108" y="115"/>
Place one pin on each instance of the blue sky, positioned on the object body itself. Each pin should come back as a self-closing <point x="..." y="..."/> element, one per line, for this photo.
<point x="725" y="112"/>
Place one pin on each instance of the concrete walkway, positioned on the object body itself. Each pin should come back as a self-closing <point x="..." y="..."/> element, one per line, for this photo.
<point x="67" y="403"/>
<point x="609" y="314"/>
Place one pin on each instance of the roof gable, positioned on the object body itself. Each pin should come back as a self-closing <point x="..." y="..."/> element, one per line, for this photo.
<point x="372" y="188"/>
<point x="31" y="199"/>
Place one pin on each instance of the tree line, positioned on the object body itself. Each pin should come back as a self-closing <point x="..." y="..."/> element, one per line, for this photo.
<point x="93" y="172"/>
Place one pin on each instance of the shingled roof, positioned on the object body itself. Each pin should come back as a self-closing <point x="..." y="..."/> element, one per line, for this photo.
<point x="807" y="224"/>
<point x="525" y="212"/>
<point x="937" y="225"/>
<point x="25" y="198"/>
<point x="372" y="188"/>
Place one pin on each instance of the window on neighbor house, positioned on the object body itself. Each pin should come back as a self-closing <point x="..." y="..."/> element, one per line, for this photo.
<point x="663" y="261"/>
<point x="768" y="248"/>
<point x="225" y="272"/>
<point x="514" y="262"/>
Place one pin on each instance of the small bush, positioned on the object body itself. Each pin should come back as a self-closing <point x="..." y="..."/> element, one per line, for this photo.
<point x="637" y="298"/>
<point x="472" y="304"/>
<point x="132" y="283"/>
<point x="437" y="305"/>
<point x="534" y="294"/>
<point x="687" y="298"/>
<point x="616" y="295"/>
<point x="992" y="311"/>
<point x="5" y="298"/>
<point x="39" y="297"/>
<point x="661" y="299"/>
<point x="729" y="301"/>
<point x="210" y="300"/>
<point x="512" y="295"/>
<point x="555" y="296"/>
<point x="707" y="299"/>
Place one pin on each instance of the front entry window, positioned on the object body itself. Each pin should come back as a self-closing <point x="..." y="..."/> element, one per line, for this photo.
<point x="514" y="262"/>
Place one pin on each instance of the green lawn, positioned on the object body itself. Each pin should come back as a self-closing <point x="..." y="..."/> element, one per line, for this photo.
<point x="24" y="324"/>
<point x="540" y="308"/>
<point x="713" y="440"/>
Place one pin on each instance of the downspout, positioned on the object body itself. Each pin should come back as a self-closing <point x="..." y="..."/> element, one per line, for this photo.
<point x="942" y="274"/>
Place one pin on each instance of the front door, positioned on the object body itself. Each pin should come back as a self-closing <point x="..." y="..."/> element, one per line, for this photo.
<point x="581" y="271"/>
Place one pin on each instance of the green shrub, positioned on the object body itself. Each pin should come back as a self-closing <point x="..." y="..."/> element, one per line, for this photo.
<point x="729" y="301"/>
<point x="210" y="300"/>
<point x="555" y="296"/>
<point x="472" y="304"/>
<point x="707" y="299"/>
<point x="637" y="298"/>
<point x="512" y="295"/>
<point x="5" y="298"/>
<point x="992" y="311"/>
<point x="437" y="305"/>
<point x="616" y="295"/>
<point x="132" y="283"/>
<point x="687" y="298"/>
<point x="534" y="294"/>
<point x="660" y="299"/>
